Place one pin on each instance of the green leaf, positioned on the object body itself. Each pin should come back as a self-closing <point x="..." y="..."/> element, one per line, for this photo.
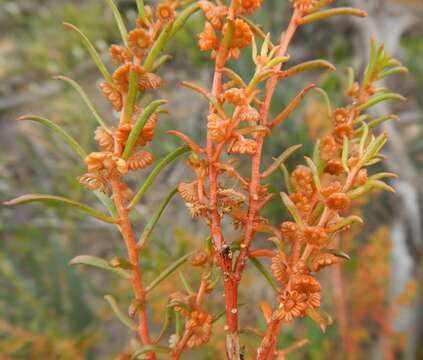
<point x="141" y="11"/>
<point x="59" y="131"/>
<point x="294" y="103"/>
<point x="279" y="160"/>
<point x="286" y="178"/>
<point x="119" y="21"/>
<point x="326" y="100"/>
<point x="345" y="153"/>
<point x="166" y="323"/>
<point x="379" y="98"/>
<point x="92" y="51"/>
<point x="183" y="17"/>
<point x="393" y="71"/>
<point x="86" y="99"/>
<point x="155" y="218"/>
<point x="168" y="271"/>
<point x="292" y="209"/>
<point x="24" y="199"/>
<point x="99" y="263"/>
<point x="308" y="65"/>
<point x="119" y="313"/>
<point x="324" y="14"/>
<point x="186" y="284"/>
<point x="259" y="266"/>
<point x="132" y="96"/>
<point x="314" y="172"/>
<point x="338" y="253"/>
<point x="139" y="125"/>
<point x="145" y="349"/>
<point x="345" y="222"/>
<point x="157" y="47"/>
<point x="156" y="171"/>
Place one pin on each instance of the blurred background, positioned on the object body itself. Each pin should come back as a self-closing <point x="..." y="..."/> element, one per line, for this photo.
<point x="51" y="311"/>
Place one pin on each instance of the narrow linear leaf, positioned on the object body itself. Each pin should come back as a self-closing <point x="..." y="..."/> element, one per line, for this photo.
<point x="157" y="48"/>
<point x="59" y="131"/>
<point x="183" y="17"/>
<point x="99" y="263"/>
<point x="141" y="11"/>
<point x="259" y="266"/>
<point x="286" y="179"/>
<point x="29" y="198"/>
<point x="118" y="312"/>
<point x="345" y="222"/>
<point x="92" y="51"/>
<point x="119" y="21"/>
<point x="139" y="125"/>
<point x="166" y="323"/>
<point x="168" y="271"/>
<point x="186" y="284"/>
<point x="379" y="98"/>
<point x="168" y="159"/>
<point x="160" y="61"/>
<point x="132" y="96"/>
<point x="393" y="71"/>
<point x="155" y="218"/>
<point x="345" y="153"/>
<point x="85" y="98"/>
<point x="331" y="12"/>
<point x="314" y="172"/>
<point x="277" y="61"/>
<point x="257" y="31"/>
<point x="231" y="74"/>
<point x="280" y="159"/>
<point x="308" y="65"/>
<point x="291" y="106"/>
<point x="326" y="100"/>
<point x="107" y="202"/>
<point x="292" y="209"/>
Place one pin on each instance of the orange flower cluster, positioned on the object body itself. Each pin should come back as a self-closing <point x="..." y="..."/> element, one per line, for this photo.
<point x="112" y="141"/>
<point x="240" y="31"/>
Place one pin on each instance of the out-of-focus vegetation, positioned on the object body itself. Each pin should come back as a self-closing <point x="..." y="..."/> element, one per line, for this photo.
<point x="48" y="312"/>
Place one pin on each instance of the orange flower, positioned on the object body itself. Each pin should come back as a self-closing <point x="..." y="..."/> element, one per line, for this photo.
<point x="338" y="201"/>
<point x="290" y="231"/>
<point x="361" y="178"/>
<point x="139" y="40"/>
<point x="306" y="284"/>
<point x="199" y="258"/>
<point x="315" y="235"/>
<point x="340" y="116"/>
<point x="189" y="191"/>
<point x="94" y="181"/>
<point x="249" y="114"/>
<point x="242" y="35"/>
<point x="302" y="180"/>
<point x="341" y="131"/>
<point x="217" y="127"/>
<point x="292" y="304"/>
<point x="302" y="203"/>
<point x="182" y="302"/>
<point x="200" y="325"/>
<point x="235" y="96"/>
<point x="244" y="146"/>
<point x="119" y="54"/>
<point x="145" y="80"/>
<point x="322" y="260"/>
<point x="305" y="5"/>
<point x="329" y="148"/>
<point x="250" y="6"/>
<point x="207" y="40"/>
<point x="140" y="160"/>
<point x="214" y="14"/>
<point x="165" y="13"/>
<point x="279" y="269"/>
<point x="332" y="188"/>
<point x="97" y="161"/>
<point x="112" y="94"/>
<point x="147" y="133"/>
<point x="313" y="300"/>
<point x="104" y="139"/>
<point x="334" y="167"/>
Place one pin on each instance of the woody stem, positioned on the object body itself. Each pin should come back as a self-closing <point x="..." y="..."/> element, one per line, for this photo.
<point x="269" y="341"/>
<point x="133" y="252"/>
